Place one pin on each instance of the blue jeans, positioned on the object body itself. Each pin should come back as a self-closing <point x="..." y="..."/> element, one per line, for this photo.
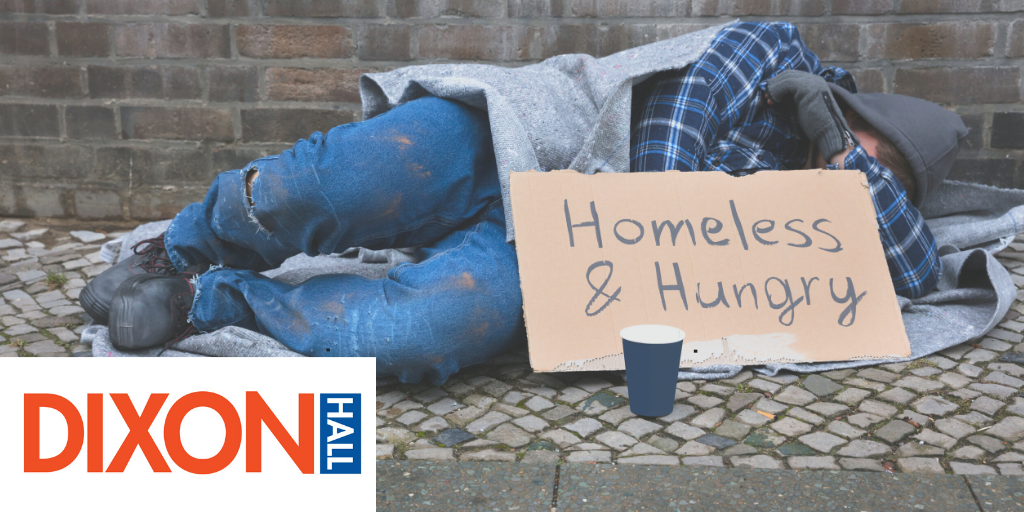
<point x="422" y="174"/>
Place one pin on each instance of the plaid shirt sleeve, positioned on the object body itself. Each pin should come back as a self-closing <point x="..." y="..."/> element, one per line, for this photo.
<point x="713" y="117"/>
<point x="910" y="249"/>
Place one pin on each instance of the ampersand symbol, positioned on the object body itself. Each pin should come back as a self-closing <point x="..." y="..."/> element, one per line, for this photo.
<point x="600" y="290"/>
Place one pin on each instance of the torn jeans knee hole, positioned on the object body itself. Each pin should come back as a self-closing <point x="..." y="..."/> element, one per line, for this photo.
<point x="250" y="181"/>
<point x="248" y="191"/>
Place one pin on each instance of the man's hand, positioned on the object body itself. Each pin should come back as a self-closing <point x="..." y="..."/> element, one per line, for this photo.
<point x="817" y="112"/>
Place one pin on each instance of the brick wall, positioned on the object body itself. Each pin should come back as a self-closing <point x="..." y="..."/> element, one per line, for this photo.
<point x="128" y="108"/>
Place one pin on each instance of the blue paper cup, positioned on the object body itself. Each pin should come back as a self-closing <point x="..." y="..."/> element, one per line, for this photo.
<point x="652" y="367"/>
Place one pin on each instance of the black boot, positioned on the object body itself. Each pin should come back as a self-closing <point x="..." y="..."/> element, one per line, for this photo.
<point x="151" y="259"/>
<point x="152" y="309"/>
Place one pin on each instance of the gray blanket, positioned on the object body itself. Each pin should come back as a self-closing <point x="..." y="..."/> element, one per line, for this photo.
<point x="573" y="112"/>
<point x="970" y="222"/>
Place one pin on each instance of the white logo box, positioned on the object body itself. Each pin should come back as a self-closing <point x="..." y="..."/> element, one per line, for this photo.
<point x="279" y="382"/>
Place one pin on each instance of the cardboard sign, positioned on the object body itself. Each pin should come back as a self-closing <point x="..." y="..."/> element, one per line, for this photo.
<point x="773" y="267"/>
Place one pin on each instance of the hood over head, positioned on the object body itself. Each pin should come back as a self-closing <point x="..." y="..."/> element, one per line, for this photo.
<point x="926" y="134"/>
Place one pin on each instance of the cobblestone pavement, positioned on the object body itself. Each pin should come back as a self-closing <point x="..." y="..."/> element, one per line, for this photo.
<point x="959" y="411"/>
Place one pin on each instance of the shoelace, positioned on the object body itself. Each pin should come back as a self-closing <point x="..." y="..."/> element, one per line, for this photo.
<point x="183" y="310"/>
<point x="156" y="258"/>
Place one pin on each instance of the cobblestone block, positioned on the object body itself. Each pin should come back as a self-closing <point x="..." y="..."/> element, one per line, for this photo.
<point x="827" y="409"/>
<point x="590" y="456"/>
<point x="740" y="400"/>
<point x="764" y="385"/>
<point x="531" y="423"/>
<point x="490" y="455"/>
<point x="653" y="460"/>
<point x="821" y="441"/>
<point x="537" y="404"/>
<point x="926" y="371"/>
<point x="641" y="449"/>
<point x="616" y="440"/>
<point x="757" y="461"/>
<point x="861" y="448"/>
<point x="896" y="395"/>
<point x="980" y="355"/>
<point x="845" y="429"/>
<point x="861" y="464"/>
<point x="986" y="405"/>
<point x="572" y="395"/>
<point x="812" y="463"/>
<point x="732" y="429"/>
<point x="710" y="460"/>
<point x="752" y="418"/>
<point x="398" y="436"/>
<point x="963" y="468"/>
<point x="996" y="390"/>
<point x="446" y="406"/>
<point x="994" y="377"/>
<point x="795" y="396"/>
<point x="638" y="427"/>
<point x="716" y="389"/>
<point x="790" y="427"/>
<point x="989" y="444"/>
<point x="851" y="396"/>
<point x="863" y="419"/>
<point x="1009" y="429"/>
<point x="704" y="401"/>
<point x="510" y="435"/>
<point x="769" y="406"/>
<point x="936" y="439"/>
<point x="709" y="418"/>
<point x="895" y="431"/>
<point x="995" y="345"/>
<point x="487" y="422"/>
<point x="584" y="427"/>
<point x="863" y="383"/>
<point x="679" y="412"/>
<point x="820" y="386"/>
<point x="540" y="457"/>
<point x="969" y="453"/>
<point x="684" y="431"/>
<point x="919" y="384"/>
<point x="954" y="380"/>
<point x="805" y="415"/>
<point x="920" y="465"/>
<point x="695" y="448"/>
<point x="914" y="417"/>
<point x="934" y="406"/>
<point x="559" y="412"/>
<point x="663" y="443"/>
<point x="969" y="370"/>
<point x="411" y="417"/>
<point x="941" y="362"/>
<point x="560" y="437"/>
<point x="878" y="375"/>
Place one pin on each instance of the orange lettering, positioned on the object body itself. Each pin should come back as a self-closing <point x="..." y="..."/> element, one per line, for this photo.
<point x="257" y="412"/>
<point x="76" y="432"/>
<point x="232" y="436"/>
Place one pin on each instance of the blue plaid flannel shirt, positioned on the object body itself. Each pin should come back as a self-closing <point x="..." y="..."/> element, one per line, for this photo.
<point x="713" y="117"/>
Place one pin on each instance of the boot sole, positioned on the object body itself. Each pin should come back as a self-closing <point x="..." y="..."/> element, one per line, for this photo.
<point x="121" y="335"/>
<point x="92" y="305"/>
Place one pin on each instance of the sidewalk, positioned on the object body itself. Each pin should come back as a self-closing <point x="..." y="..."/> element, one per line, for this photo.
<point x="958" y="412"/>
<point x="417" y="485"/>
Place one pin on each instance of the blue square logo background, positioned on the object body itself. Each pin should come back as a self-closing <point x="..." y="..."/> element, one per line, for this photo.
<point x="340" y="417"/>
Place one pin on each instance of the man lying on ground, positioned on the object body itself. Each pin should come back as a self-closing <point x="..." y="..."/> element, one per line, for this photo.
<point x="424" y="175"/>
